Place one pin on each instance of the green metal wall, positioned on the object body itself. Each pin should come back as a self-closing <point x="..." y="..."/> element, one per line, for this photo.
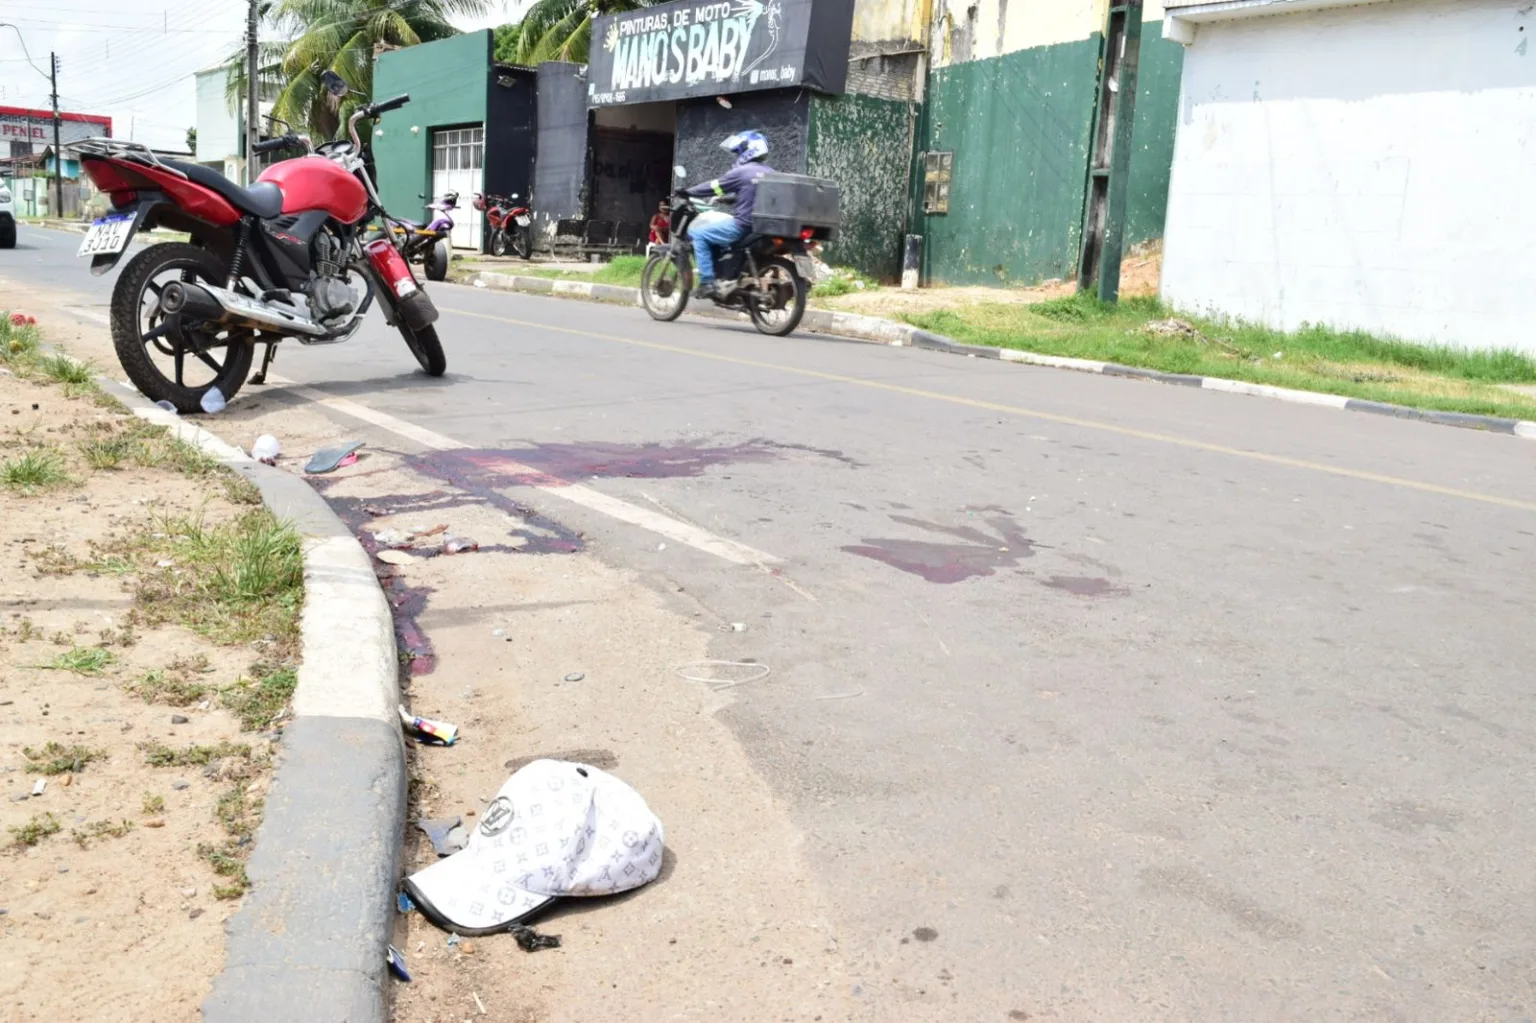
<point x="1019" y="126"/>
<point x="447" y="81"/>
<point x="864" y="144"/>
<point x="1157" y="112"/>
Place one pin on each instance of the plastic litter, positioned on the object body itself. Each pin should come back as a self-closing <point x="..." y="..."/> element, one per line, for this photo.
<point x="429" y="732"/>
<point x="38" y="786"/>
<point x="266" y="449"/>
<point x="213" y="401"/>
<point x="479" y="284"/>
<point x="168" y="407"/>
<point x="576" y="676"/>
<point x="396" y="961"/>
<point x="392" y="538"/>
<point x="530" y="940"/>
<point x="459" y="545"/>
<point x="446" y="834"/>
<point x="329" y="459"/>
<point x="453" y="941"/>
<point x="719" y="675"/>
<point x="393" y="557"/>
<point x="403" y="902"/>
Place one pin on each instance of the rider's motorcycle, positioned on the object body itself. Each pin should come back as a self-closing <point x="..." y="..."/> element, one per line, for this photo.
<point x="431" y="243"/>
<point x="511" y="223"/>
<point x="284" y="258"/>
<point x="766" y="274"/>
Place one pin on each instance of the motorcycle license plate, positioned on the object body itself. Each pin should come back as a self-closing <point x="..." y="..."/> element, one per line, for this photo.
<point x="521" y="221"/>
<point x="107" y="236"/>
<point x="803" y="267"/>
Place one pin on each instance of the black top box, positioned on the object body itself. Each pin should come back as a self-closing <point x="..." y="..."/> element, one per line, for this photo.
<point x="788" y="205"/>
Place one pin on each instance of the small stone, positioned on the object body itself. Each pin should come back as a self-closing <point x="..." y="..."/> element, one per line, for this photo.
<point x="195" y="914"/>
<point x="575" y="676"/>
<point x="63" y="868"/>
<point x="21" y="797"/>
<point x="190" y="893"/>
<point x="82" y="919"/>
<point x="181" y="785"/>
<point x="127" y="728"/>
<point x="498" y="633"/>
<point x="179" y="719"/>
<point x="156" y="823"/>
<point x="43" y="914"/>
<point x="69" y="780"/>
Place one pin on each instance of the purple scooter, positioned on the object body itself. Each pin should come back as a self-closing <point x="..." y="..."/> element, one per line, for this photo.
<point x="428" y="244"/>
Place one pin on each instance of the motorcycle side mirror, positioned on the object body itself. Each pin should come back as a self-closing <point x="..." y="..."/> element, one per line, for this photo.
<point x="333" y="84"/>
<point x="680" y="171"/>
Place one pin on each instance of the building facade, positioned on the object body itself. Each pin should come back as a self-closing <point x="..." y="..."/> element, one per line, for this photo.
<point x="468" y="128"/>
<point x="1356" y="165"/>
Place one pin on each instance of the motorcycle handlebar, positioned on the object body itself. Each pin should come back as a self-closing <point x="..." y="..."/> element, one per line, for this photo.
<point x="281" y="142"/>
<point x="385" y="106"/>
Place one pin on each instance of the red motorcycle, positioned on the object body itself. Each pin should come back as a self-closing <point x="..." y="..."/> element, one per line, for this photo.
<point x="287" y="257"/>
<point x="511" y="224"/>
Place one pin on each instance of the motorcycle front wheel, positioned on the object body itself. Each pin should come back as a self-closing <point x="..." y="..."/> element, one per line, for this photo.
<point x="427" y="348"/>
<point x="436" y="260"/>
<point x="787" y="291"/>
<point x="664" y="286"/>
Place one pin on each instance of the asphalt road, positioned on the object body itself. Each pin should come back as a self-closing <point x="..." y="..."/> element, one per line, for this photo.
<point x="1095" y="699"/>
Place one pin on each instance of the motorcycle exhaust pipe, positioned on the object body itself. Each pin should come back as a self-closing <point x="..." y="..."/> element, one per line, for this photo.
<point x="219" y="305"/>
<point x="192" y="301"/>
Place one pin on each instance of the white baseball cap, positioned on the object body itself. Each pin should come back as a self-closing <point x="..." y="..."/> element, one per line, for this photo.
<point x="556" y="828"/>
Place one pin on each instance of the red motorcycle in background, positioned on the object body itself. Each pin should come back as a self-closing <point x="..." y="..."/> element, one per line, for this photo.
<point x="287" y="257"/>
<point x="511" y="223"/>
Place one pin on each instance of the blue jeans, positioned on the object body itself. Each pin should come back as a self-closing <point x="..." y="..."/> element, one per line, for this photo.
<point x="709" y="229"/>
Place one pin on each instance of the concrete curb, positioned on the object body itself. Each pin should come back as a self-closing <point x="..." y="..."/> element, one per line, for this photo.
<point x="310" y="939"/>
<point x="889" y="332"/>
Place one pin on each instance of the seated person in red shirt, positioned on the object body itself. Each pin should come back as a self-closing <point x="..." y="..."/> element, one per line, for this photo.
<point x="661" y="229"/>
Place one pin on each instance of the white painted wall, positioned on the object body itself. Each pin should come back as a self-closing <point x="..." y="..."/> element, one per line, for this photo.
<point x="218" y="127"/>
<point x="1367" y="167"/>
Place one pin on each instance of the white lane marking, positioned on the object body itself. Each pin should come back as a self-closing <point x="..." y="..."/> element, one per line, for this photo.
<point x="593" y="500"/>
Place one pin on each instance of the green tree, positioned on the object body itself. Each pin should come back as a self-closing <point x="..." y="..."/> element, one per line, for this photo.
<point x="556" y="30"/>
<point x="344" y="36"/>
<point x="192" y="140"/>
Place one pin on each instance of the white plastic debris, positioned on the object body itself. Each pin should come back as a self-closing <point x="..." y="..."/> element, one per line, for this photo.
<point x="167" y="406"/>
<point x="213" y="401"/>
<point x="266" y="449"/>
<point x="479" y="283"/>
<point x="39" y="786"/>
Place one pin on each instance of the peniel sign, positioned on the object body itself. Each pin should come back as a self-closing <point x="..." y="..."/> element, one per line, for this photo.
<point x="715" y="47"/>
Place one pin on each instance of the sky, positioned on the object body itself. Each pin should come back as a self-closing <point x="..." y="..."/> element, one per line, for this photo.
<point x="132" y="60"/>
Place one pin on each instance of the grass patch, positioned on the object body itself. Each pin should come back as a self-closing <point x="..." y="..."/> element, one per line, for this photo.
<point x="54" y="758"/>
<point x="844" y="281"/>
<point x="235" y="582"/>
<point x="25" y="836"/>
<point x="76" y="376"/>
<point x="158" y="754"/>
<point x="227" y="862"/>
<point x="177" y="685"/>
<point x="98" y="830"/>
<point x="83" y="660"/>
<point x="621" y="270"/>
<point x="19" y="342"/>
<point x="153" y="805"/>
<point x="33" y="472"/>
<point x="105" y="453"/>
<point x="1141" y="332"/>
<point x="258" y="701"/>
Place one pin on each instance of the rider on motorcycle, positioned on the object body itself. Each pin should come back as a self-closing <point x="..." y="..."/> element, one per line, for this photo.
<point x="713" y="227"/>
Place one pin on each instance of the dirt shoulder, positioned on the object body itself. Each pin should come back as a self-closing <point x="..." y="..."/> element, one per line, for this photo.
<point x="138" y="705"/>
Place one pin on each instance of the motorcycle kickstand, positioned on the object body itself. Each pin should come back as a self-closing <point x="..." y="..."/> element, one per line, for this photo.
<point x="266" y="364"/>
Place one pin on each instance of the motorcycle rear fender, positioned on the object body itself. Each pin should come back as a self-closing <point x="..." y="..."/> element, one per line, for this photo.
<point x="154" y="209"/>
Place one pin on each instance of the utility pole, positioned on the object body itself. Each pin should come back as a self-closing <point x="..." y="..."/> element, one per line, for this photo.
<point x="252" y="110"/>
<point x="58" y="154"/>
<point x="1110" y="168"/>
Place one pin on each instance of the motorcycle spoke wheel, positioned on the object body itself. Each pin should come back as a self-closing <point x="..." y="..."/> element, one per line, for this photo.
<point x="779" y="302"/>
<point x="664" y="286"/>
<point x="169" y="345"/>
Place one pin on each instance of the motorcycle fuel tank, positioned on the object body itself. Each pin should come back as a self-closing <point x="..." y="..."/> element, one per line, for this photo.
<point x="315" y="183"/>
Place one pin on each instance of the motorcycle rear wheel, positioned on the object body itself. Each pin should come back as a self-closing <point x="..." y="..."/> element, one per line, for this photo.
<point x="135" y="313"/>
<point x="664" y="286"/>
<point x="522" y="242"/>
<point x="427" y="348"/>
<point x="436" y="260"/>
<point x="789" y="306"/>
<point x="498" y="242"/>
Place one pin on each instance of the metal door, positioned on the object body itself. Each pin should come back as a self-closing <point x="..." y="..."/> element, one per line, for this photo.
<point x="458" y="161"/>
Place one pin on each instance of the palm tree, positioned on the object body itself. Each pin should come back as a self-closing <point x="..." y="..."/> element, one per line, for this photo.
<point x="556" y="30"/>
<point x="344" y="36"/>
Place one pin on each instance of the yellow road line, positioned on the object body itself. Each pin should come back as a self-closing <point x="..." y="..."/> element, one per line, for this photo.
<point x="1027" y="413"/>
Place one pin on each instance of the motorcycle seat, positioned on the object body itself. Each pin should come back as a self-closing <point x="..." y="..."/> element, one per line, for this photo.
<point x="263" y="199"/>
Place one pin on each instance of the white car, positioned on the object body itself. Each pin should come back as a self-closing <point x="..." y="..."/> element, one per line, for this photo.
<point x="7" y="219"/>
